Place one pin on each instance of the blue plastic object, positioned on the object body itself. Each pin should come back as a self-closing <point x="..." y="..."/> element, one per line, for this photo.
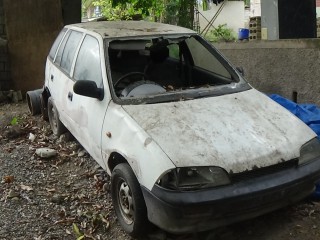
<point x="308" y="113"/>
<point x="243" y="33"/>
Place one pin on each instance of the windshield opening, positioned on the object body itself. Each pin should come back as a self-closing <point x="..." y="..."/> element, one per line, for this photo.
<point x="145" y="68"/>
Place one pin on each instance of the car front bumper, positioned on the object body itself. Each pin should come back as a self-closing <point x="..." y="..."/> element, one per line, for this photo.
<point x="183" y="212"/>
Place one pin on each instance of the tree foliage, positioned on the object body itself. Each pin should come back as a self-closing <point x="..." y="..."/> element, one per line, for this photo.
<point x="179" y="12"/>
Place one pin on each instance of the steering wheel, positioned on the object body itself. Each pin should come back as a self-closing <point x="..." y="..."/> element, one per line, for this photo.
<point x="126" y="76"/>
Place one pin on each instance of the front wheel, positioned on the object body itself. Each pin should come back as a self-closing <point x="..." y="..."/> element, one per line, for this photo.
<point x="128" y="200"/>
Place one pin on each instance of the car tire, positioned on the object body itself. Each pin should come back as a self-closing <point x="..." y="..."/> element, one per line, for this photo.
<point x="57" y="126"/>
<point x="128" y="200"/>
<point x="33" y="100"/>
<point x="44" y="110"/>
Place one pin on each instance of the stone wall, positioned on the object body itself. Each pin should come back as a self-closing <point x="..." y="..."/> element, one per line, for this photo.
<point x="4" y="61"/>
<point x="290" y="68"/>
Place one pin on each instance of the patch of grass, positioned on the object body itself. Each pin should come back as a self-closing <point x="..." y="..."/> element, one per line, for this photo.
<point x="14" y="121"/>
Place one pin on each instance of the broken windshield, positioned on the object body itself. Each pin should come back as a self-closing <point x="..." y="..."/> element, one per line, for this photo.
<point x="169" y="69"/>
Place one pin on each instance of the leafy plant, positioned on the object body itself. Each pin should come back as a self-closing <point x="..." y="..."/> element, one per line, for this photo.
<point x="77" y="232"/>
<point x="221" y="34"/>
<point x="14" y="121"/>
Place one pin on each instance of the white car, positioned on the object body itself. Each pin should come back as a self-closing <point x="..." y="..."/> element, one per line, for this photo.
<point x="189" y="144"/>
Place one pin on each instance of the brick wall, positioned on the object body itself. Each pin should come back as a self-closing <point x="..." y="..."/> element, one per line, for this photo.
<point x="5" y="76"/>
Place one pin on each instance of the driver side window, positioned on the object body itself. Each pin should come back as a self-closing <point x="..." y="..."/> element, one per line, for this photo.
<point x="88" y="64"/>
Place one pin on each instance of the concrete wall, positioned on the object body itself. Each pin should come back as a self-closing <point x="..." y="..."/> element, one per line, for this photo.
<point x="32" y="26"/>
<point x="2" y="21"/>
<point x="270" y="18"/>
<point x="255" y="8"/>
<point x="232" y="14"/>
<point x="71" y="11"/>
<point x="5" y="77"/>
<point x="281" y="67"/>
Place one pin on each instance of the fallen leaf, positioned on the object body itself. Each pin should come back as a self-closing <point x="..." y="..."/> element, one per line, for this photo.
<point x="311" y="212"/>
<point x="67" y="220"/>
<point x="50" y="189"/>
<point x="105" y="221"/>
<point x="26" y="188"/>
<point x="76" y="231"/>
<point x="8" y="179"/>
<point x="68" y="232"/>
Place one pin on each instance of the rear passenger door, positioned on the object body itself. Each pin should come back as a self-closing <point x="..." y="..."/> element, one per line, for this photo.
<point x="60" y="83"/>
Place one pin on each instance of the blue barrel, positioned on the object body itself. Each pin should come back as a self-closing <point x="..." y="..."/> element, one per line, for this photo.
<point x="243" y="33"/>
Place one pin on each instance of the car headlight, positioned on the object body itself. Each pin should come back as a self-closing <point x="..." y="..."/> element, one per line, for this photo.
<point x="309" y="151"/>
<point x="194" y="178"/>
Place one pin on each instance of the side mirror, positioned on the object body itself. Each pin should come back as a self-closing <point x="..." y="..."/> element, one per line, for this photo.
<point x="240" y="70"/>
<point x="88" y="88"/>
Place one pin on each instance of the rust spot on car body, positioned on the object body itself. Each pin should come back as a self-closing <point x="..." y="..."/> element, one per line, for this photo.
<point x="108" y="134"/>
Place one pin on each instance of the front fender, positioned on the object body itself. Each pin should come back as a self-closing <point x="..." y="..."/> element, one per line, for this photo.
<point x="123" y="135"/>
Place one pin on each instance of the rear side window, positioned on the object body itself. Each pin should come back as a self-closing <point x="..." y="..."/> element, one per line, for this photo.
<point x="61" y="48"/>
<point x="70" y="50"/>
<point x="56" y="44"/>
<point x="88" y="64"/>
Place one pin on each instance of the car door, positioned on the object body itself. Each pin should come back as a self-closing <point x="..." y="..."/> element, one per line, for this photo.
<point x="88" y="113"/>
<point x="60" y="83"/>
<point x="50" y="67"/>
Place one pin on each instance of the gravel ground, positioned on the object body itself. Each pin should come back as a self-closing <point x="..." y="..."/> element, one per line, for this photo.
<point x="67" y="196"/>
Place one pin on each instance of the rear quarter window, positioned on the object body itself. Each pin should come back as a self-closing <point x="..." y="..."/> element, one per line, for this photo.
<point x="56" y="44"/>
<point x="70" y="50"/>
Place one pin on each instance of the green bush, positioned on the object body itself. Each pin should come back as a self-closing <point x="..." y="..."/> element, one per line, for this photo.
<point x="221" y="34"/>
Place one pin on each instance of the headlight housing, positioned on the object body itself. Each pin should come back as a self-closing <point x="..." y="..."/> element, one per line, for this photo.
<point x="194" y="178"/>
<point x="309" y="151"/>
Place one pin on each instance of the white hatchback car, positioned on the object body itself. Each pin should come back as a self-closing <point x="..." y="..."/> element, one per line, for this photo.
<point x="189" y="144"/>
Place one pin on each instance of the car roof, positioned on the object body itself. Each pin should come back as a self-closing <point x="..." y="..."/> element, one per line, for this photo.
<point x="118" y="29"/>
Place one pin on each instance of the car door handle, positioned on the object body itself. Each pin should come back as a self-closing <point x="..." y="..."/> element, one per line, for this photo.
<point x="51" y="77"/>
<point x="70" y="96"/>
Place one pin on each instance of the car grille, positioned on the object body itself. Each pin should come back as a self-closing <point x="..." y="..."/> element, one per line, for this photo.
<point x="238" y="177"/>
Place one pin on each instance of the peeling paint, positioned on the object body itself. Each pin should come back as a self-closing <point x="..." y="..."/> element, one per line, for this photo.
<point x="238" y="132"/>
<point x="111" y="29"/>
<point x="147" y="141"/>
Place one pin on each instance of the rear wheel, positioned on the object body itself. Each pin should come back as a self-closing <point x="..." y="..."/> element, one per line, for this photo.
<point x="56" y="125"/>
<point x="128" y="200"/>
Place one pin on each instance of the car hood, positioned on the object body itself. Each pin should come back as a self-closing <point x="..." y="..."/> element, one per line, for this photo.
<point x="237" y="132"/>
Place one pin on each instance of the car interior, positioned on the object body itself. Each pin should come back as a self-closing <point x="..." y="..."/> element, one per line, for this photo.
<point x="155" y="66"/>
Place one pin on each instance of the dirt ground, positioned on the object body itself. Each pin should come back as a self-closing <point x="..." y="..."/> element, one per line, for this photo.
<point x="67" y="196"/>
